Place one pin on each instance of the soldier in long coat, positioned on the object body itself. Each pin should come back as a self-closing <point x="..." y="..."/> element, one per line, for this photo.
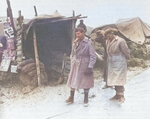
<point x="83" y="59"/>
<point x="117" y="56"/>
<point x="101" y="39"/>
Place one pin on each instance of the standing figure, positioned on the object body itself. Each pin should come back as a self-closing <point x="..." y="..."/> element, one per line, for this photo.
<point x="117" y="56"/>
<point x="101" y="39"/>
<point x="82" y="25"/>
<point x="83" y="59"/>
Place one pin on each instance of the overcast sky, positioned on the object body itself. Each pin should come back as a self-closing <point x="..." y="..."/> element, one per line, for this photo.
<point x="99" y="12"/>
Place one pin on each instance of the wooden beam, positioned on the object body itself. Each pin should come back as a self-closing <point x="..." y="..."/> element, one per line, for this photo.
<point x="78" y="15"/>
<point x="36" y="57"/>
<point x="82" y="17"/>
<point x="9" y="14"/>
<point x="35" y="11"/>
<point x="73" y="27"/>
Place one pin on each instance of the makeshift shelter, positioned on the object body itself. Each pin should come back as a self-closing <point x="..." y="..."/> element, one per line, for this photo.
<point x="53" y="35"/>
<point x="133" y="29"/>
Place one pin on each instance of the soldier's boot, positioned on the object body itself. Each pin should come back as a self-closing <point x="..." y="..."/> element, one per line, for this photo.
<point x="86" y="100"/>
<point x="120" y="92"/>
<point x="105" y="86"/>
<point x="70" y="100"/>
<point x="119" y="96"/>
<point x="121" y="99"/>
<point x="116" y="97"/>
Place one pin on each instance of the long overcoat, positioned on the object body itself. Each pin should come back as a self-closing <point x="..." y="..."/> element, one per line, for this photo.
<point x="82" y="57"/>
<point x="118" y="54"/>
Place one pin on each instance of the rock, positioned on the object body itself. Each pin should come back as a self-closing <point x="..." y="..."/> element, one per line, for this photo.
<point x="28" y="80"/>
<point x="1" y="102"/>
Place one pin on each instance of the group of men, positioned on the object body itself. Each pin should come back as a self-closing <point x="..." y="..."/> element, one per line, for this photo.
<point x="83" y="59"/>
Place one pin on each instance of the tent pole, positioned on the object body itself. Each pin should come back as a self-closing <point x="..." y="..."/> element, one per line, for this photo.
<point x="35" y="11"/>
<point x="73" y="27"/>
<point x="36" y="57"/>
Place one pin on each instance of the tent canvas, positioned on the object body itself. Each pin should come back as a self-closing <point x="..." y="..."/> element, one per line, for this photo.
<point x="133" y="29"/>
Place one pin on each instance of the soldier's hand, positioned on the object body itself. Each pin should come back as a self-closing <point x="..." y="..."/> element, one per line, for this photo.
<point x="89" y="71"/>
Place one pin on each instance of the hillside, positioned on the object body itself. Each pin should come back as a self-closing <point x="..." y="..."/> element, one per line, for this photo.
<point x="89" y="30"/>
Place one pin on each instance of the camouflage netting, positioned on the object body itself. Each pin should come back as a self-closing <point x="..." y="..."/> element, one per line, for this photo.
<point x="138" y="55"/>
<point x="138" y="51"/>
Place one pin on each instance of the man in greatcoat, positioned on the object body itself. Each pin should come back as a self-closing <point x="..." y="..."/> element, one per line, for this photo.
<point x="101" y="39"/>
<point x="83" y="59"/>
<point x="117" y="56"/>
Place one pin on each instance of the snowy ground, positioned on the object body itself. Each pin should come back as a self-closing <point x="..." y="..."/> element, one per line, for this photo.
<point x="49" y="102"/>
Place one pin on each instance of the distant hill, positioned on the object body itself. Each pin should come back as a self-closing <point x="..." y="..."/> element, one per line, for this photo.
<point x="89" y="30"/>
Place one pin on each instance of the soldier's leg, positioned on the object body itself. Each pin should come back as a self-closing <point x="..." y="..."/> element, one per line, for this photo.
<point x="119" y="94"/>
<point x="86" y="98"/>
<point x="70" y="100"/>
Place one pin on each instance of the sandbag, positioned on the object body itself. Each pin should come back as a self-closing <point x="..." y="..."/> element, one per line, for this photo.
<point x="34" y="72"/>
<point x="28" y="67"/>
<point x="23" y="63"/>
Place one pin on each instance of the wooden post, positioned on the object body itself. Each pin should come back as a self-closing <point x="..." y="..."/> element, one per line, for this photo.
<point x="9" y="14"/>
<point x="36" y="57"/>
<point x="35" y="11"/>
<point x="20" y="18"/>
<point x="73" y="27"/>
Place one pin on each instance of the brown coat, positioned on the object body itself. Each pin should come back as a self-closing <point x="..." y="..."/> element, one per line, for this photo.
<point x="118" y="53"/>
<point x="101" y="39"/>
<point x="82" y="57"/>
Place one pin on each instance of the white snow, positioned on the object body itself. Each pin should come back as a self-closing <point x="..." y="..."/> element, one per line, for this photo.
<point x="49" y="102"/>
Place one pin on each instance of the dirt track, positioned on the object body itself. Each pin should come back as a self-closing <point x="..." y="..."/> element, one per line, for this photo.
<point x="48" y="102"/>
